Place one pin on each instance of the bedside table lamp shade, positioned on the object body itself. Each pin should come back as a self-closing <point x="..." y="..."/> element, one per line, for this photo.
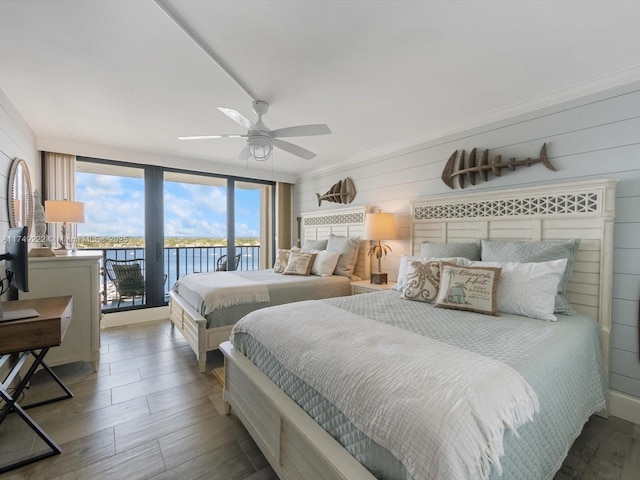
<point x="379" y="226"/>
<point x="64" y="211"/>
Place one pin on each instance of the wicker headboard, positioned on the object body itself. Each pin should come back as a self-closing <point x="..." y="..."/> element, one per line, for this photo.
<point x="583" y="210"/>
<point x="347" y="222"/>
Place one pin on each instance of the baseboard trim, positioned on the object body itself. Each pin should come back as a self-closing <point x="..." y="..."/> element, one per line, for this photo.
<point x="624" y="406"/>
<point x="130" y="317"/>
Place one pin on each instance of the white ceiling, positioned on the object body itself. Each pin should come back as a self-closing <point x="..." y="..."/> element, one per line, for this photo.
<point x="121" y="79"/>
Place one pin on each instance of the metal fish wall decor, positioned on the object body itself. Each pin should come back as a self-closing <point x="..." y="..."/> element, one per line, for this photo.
<point x="342" y="192"/>
<point x="483" y="167"/>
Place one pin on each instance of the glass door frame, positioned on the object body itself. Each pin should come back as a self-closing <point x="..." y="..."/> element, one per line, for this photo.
<point x="154" y="221"/>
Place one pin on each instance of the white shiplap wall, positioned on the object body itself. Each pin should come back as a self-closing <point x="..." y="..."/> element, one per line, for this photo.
<point x="596" y="136"/>
<point x="16" y="141"/>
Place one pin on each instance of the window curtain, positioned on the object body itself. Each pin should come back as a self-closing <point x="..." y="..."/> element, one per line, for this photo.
<point x="60" y="184"/>
<point x="283" y="214"/>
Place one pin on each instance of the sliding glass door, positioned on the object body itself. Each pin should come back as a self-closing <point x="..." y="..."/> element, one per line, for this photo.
<point x="253" y="227"/>
<point x="195" y="224"/>
<point x="114" y="198"/>
<point x="161" y="224"/>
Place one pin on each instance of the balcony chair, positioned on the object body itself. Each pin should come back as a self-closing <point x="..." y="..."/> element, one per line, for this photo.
<point x="221" y="265"/>
<point x="127" y="277"/>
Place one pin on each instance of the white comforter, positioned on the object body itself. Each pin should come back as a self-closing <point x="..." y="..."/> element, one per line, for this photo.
<point x="443" y="415"/>
<point x="224" y="289"/>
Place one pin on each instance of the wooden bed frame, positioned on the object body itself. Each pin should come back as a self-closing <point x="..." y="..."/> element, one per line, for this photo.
<point x="297" y="447"/>
<point x="348" y="222"/>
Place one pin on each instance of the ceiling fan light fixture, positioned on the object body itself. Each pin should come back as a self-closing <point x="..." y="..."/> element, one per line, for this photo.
<point x="260" y="148"/>
<point x="261" y="140"/>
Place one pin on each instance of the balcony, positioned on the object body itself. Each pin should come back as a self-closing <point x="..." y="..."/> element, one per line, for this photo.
<point x="178" y="261"/>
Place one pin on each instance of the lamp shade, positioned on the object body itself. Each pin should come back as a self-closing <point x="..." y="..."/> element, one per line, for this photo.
<point x="61" y="211"/>
<point x="380" y="226"/>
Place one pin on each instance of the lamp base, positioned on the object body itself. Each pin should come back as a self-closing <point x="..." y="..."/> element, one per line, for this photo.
<point x="59" y="252"/>
<point x="378" y="278"/>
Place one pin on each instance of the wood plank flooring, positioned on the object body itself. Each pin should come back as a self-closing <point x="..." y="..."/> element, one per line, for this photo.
<point x="148" y="414"/>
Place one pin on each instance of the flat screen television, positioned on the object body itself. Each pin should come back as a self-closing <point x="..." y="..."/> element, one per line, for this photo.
<point x="16" y="262"/>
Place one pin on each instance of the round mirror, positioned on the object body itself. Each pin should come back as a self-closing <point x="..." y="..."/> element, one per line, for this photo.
<point x="20" y="200"/>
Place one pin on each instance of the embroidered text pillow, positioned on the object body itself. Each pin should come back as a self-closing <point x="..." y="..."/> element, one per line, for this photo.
<point x="468" y="288"/>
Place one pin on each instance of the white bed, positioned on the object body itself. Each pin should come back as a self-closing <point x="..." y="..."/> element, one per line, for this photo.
<point x="347" y="222"/>
<point x="297" y="447"/>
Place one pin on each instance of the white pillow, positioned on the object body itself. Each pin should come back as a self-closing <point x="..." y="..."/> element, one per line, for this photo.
<point x="325" y="263"/>
<point x="406" y="259"/>
<point x="348" y="249"/>
<point x="528" y="289"/>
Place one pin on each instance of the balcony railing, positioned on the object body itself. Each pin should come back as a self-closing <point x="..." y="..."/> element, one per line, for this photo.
<point x="178" y="261"/>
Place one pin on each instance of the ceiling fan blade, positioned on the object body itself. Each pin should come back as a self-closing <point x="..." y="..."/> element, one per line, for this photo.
<point x="209" y="137"/>
<point x="237" y="117"/>
<point x="301" y="131"/>
<point x="244" y="154"/>
<point x="294" y="149"/>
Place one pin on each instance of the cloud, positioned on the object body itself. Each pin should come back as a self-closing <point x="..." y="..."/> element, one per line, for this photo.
<point x="115" y="206"/>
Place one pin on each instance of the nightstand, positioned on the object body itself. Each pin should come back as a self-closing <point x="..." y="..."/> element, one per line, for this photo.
<point x="365" y="286"/>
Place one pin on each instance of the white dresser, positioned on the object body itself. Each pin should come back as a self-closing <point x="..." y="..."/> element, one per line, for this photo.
<point x="77" y="274"/>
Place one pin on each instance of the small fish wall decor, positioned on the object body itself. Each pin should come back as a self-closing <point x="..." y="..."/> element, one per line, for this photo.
<point x="483" y="167"/>
<point x="342" y="192"/>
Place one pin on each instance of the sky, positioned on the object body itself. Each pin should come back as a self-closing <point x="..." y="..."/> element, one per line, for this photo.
<point x="114" y="206"/>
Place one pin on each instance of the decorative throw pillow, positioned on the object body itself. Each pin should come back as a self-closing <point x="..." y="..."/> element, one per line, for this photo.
<point x="528" y="289"/>
<point x="468" y="288"/>
<point x="470" y="250"/>
<point x="299" y="263"/>
<point x="325" y="263"/>
<point x="282" y="259"/>
<point x="423" y="281"/>
<point x="348" y="250"/>
<point x="405" y="260"/>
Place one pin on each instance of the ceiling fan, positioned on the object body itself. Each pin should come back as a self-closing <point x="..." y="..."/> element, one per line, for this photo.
<point x="261" y="140"/>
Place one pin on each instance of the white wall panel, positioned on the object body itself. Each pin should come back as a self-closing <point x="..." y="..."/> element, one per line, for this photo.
<point x="628" y="385"/>
<point x="16" y="141"/>
<point x="626" y="287"/>
<point x="625" y="312"/>
<point x="625" y="337"/>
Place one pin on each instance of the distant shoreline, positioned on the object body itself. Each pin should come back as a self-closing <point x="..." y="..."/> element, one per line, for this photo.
<point x="97" y="241"/>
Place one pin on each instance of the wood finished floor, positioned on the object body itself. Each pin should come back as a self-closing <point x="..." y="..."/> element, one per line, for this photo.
<point x="148" y="414"/>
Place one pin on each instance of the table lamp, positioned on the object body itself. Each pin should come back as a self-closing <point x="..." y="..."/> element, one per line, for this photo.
<point x="379" y="226"/>
<point x="63" y="211"/>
